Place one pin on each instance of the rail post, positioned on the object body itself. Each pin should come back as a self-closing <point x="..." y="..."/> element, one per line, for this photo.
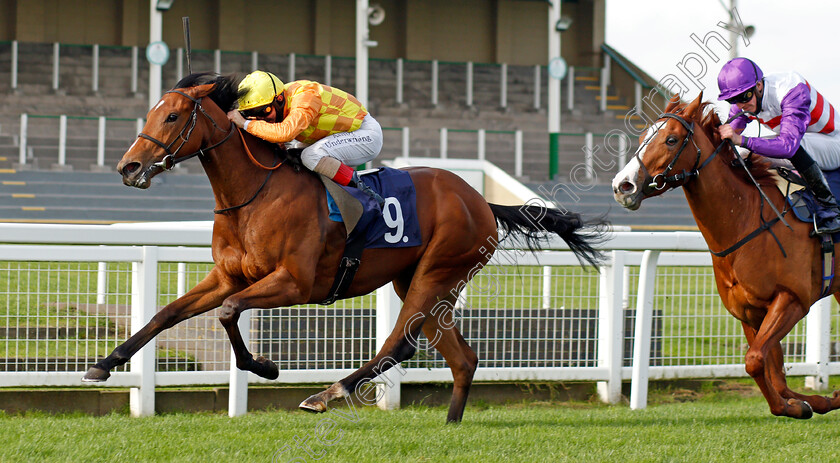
<point x="328" y="70"/>
<point x="611" y="329"/>
<point x="405" y="141"/>
<point x="434" y="82"/>
<point x="135" y="63"/>
<point x="469" y="83"/>
<point x="818" y="343"/>
<point x="100" y="143"/>
<point x="517" y="153"/>
<point x="144" y="304"/>
<point x="56" y="54"/>
<point x="399" y="96"/>
<point x="14" y="64"/>
<point x="62" y="140"/>
<point x="444" y="141"/>
<point x="537" y="85"/>
<point x="388" y="384"/>
<point x="238" y="393"/>
<point x="570" y="88"/>
<point x="24" y="123"/>
<point x="95" y="80"/>
<point x="503" y="86"/>
<point x="644" y="321"/>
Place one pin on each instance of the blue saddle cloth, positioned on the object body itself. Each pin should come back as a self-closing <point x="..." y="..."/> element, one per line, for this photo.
<point x="804" y="205"/>
<point x="396" y="225"/>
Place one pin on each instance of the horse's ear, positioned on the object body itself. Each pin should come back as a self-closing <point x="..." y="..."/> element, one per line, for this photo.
<point x="672" y="103"/>
<point x="201" y="91"/>
<point x="693" y="107"/>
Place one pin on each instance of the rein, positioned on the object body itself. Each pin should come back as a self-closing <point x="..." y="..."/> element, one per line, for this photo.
<point x="685" y="176"/>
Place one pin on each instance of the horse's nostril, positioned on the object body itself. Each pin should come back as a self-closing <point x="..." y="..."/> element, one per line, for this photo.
<point x="627" y="187"/>
<point x="130" y="167"/>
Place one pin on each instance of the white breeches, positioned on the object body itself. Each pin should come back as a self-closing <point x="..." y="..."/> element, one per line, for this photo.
<point x="352" y="148"/>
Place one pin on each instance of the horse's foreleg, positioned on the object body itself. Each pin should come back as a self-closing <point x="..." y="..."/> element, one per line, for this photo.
<point x="782" y="314"/>
<point x="205" y="296"/>
<point x="818" y="403"/>
<point x="278" y="289"/>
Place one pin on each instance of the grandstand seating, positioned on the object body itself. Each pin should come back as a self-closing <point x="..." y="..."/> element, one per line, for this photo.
<point x="73" y="196"/>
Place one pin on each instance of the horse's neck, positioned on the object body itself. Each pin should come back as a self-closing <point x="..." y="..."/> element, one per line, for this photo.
<point x="235" y="178"/>
<point x="724" y="208"/>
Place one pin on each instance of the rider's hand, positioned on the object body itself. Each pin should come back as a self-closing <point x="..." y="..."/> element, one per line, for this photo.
<point x="236" y="118"/>
<point x="727" y="132"/>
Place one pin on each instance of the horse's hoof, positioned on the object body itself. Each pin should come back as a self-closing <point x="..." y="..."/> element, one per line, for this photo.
<point x="96" y="375"/>
<point x="266" y="368"/>
<point x="805" y="409"/>
<point x="313" y="404"/>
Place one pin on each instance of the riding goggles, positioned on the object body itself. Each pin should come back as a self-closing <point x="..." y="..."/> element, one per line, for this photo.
<point x="742" y="98"/>
<point x="260" y="112"/>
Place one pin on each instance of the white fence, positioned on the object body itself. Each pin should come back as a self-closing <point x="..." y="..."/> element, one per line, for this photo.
<point x="78" y="291"/>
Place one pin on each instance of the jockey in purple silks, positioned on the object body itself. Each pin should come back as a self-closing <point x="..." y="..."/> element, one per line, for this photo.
<point x="803" y="118"/>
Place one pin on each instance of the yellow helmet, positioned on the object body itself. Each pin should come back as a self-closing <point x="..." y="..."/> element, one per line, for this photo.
<point x="261" y="87"/>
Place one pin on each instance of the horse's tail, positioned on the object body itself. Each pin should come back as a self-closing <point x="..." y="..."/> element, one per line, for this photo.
<point x="533" y="224"/>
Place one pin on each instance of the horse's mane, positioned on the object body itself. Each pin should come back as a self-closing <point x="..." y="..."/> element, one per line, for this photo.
<point x="759" y="167"/>
<point x="225" y="91"/>
<point x="225" y="94"/>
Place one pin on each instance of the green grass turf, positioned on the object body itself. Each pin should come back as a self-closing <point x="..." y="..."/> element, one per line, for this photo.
<point x="723" y="426"/>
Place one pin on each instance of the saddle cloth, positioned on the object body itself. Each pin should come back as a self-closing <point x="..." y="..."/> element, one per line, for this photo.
<point x="802" y="201"/>
<point x="396" y="225"/>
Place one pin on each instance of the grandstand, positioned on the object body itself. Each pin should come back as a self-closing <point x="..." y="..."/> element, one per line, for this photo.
<point x="67" y="175"/>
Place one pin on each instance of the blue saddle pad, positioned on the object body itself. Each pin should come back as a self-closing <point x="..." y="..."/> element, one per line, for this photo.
<point x="804" y="205"/>
<point x="396" y="225"/>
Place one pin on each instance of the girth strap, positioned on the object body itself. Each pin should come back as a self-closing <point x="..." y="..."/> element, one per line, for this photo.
<point x="827" y="246"/>
<point x="746" y="239"/>
<point x="346" y="269"/>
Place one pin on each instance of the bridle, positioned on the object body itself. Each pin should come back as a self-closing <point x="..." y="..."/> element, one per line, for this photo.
<point x="170" y="160"/>
<point x="663" y="180"/>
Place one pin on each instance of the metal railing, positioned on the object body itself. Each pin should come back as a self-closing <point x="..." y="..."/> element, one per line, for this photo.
<point x="530" y="318"/>
<point x="212" y="60"/>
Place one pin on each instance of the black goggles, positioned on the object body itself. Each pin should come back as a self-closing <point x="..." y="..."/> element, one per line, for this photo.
<point x="259" y="112"/>
<point x="742" y="98"/>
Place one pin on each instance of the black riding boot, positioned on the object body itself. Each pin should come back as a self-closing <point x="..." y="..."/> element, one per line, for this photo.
<point x="355" y="182"/>
<point x="815" y="179"/>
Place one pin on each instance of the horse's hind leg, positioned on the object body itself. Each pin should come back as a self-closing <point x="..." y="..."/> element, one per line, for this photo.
<point x="441" y="331"/>
<point x="427" y="290"/>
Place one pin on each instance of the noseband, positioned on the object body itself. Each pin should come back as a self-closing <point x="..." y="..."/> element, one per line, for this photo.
<point x="170" y="160"/>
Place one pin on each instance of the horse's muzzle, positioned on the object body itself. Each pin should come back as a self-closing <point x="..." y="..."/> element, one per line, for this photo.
<point x="134" y="175"/>
<point x="628" y="195"/>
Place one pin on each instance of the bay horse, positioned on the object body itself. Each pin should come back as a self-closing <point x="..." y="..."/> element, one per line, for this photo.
<point x="273" y="244"/>
<point x="760" y="286"/>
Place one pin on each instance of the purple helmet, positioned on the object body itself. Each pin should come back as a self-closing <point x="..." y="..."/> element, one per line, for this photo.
<point x="737" y="76"/>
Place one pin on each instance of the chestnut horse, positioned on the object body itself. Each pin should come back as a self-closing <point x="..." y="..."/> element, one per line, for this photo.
<point x="768" y="292"/>
<point x="274" y="245"/>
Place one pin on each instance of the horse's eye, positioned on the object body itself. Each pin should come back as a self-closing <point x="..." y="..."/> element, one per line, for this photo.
<point x="172" y="117"/>
<point x="671" y="140"/>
